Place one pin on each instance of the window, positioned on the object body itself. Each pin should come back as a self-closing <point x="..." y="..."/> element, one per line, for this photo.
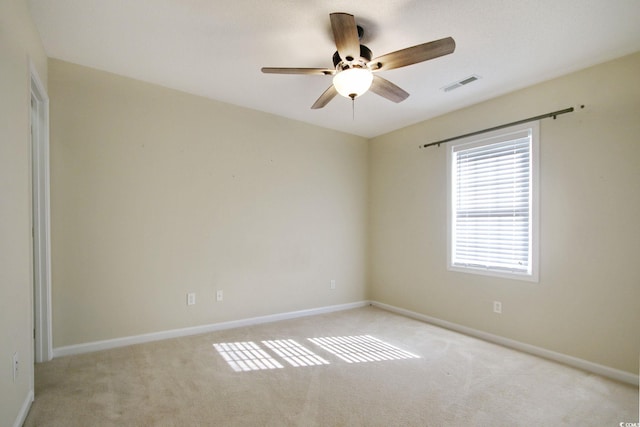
<point x="492" y="200"/>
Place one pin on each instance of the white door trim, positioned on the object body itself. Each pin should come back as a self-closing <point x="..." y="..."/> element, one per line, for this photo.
<point x="41" y="218"/>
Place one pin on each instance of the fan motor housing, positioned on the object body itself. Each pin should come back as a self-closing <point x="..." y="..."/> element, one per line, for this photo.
<point x="365" y="55"/>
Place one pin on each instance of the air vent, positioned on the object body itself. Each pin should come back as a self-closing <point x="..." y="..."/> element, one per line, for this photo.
<point x="460" y="83"/>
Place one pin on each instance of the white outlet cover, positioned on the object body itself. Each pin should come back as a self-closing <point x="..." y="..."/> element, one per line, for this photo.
<point x="497" y="307"/>
<point x="219" y="296"/>
<point x="191" y="298"/>
<point x="15" y="366"/>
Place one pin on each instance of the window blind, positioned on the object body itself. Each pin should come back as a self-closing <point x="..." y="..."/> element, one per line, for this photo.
<point x="492" y="204"/>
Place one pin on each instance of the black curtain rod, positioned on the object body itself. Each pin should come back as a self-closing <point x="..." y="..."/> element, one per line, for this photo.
<point x="530" y="119"/>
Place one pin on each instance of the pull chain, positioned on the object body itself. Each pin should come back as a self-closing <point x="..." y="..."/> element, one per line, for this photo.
<point x="353" y="108"/>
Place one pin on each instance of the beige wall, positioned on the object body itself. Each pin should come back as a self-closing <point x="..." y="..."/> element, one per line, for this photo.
<point x="156" y="193"/>
<point x="19" y="42"/>
<point x="586" y="302"/>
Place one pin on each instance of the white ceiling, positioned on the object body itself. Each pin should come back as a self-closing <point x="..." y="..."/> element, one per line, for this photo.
<point x="215" y="48"/>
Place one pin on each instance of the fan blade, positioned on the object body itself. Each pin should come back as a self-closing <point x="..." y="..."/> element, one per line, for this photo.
<point x="388" y="90"/>
<point x="413" y="55"/>
<point x="324" y="99"/>
<point x="345" y="34"/>
<point x="318" y="71"/>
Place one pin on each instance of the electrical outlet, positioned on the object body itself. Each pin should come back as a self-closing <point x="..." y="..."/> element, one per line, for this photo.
<point x="16" y="363"/>
<point x="332" y="284"/>
<point x="191" y="298"/>
<point x="497" y="307"/>
<point x="219" y="296"/>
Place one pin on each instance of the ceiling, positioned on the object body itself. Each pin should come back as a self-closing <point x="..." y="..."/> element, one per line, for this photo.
<point x="215" y="48"/>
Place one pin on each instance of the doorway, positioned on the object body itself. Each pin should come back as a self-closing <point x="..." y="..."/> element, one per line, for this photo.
<point x="42" y="331"/>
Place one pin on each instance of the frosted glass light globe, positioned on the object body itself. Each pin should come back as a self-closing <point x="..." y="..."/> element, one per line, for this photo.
<point x="353" y="82"/>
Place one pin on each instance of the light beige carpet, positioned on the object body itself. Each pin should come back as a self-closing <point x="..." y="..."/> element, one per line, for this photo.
<point x="455" y="381"/>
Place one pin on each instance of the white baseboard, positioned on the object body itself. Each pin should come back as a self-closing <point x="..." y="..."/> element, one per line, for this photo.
<point x="605" y="371"/>
<point x="195" y="330"/>
<point x="618" y="375"/>
<point x="24" y="410"/>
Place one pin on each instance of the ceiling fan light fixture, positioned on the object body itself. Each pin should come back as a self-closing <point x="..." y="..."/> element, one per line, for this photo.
<point x="353" y="82"/>
<point x="353" y="63"/>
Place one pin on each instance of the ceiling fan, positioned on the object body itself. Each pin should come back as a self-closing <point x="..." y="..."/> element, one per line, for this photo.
<point x="354" y="69"/>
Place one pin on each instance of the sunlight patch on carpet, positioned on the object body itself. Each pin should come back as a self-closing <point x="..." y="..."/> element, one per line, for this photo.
<point x="246" y="356"/>
<point x="295" y="354"/>
<point x="361" y="348"/>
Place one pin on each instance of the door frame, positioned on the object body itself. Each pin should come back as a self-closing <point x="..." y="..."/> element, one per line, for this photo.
<point x="41" y="218"/>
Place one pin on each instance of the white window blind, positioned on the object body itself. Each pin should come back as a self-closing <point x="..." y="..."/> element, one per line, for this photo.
<point x="491" y="197"/>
